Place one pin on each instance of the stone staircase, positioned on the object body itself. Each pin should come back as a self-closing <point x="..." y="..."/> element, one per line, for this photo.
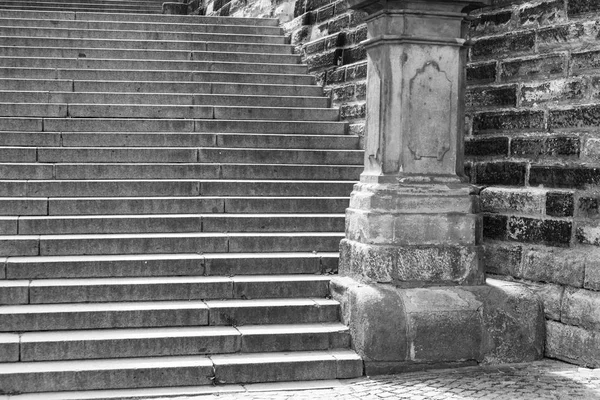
<point x="171" y="197"/>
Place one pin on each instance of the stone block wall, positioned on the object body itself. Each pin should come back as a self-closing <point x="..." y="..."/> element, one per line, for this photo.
<point x="533" y="146"/>
<point x="532" y="140"/>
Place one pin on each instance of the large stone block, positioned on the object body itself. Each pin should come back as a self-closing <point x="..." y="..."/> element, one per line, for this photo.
<point x="573" y="344"/>
<point x="399" y="329"/>
<point x="411" y="266"/>
<point x="582" y="308"/>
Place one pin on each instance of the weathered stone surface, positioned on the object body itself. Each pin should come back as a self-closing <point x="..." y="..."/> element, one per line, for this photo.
<point x="573" y="344"/>
<point x="410" y="266"/>
<point x="551" y="296"/>
<point x="376" y="318"/>
<point x="546" y="264"/>
<point x="501" y="259"/>
<point x="513" y="322"/>
<point x="581" y="307"/>
<point x="497" y="200"/>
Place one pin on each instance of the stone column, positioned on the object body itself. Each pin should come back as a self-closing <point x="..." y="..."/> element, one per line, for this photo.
<point x="411" y="278"/>
<point x="412" y="220"/>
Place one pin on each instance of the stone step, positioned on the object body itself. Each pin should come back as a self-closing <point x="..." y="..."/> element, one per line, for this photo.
<point x="159" y="139"/>
<point x="141" y="65"/>
<point x="146" y="44"/>
<point x="180" y="341"/>
<point x="172" y="87"/>
<point x="52" y="20"/>
<point x="18" y="5"/>
<point x="95" y="171"/>
<point x="104" y="290"/>
<point x="148" y="155"/>
<point x="75" y="316"/>
<point x="143" y="54"/>
<point x="107" y="224"/>
<point x="164" y="243"/>
<point x="157" y="265"/>
<point x="162" y="98"/>
<point x="87" y="110"/>
<point x="47" y="376"/>
<point x="89" y="125"/>
<point x="180" y="187"/>
<point x="11" y="206"/>
<point x="150" y="75"/>
<point x="140" y="18"/>
<point x="152" y="35"/>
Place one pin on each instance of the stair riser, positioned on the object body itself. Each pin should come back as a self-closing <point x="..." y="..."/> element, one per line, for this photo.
<point x="117" y="379"/>
<point x="177" y="345"/>
<point x="140" y="139"/>
<point x="159" y="87"/>
<point x="26" y="124"/>
<point x="184" y="265"/>
<point x="173" y="19"/>
<point x="254" y="31"/>
<point x="107" y="9"/>
<point x="158" y="35"/>
<point x="141" y="54"/>
<point x="145" y="44"/>
<point x="179" y="155"/>
<point x="171" y="188"/>
<point x="220" y="316"/>
<point x="163" y="292"/>
<point x="166" y="112"/>
<point x="183" y="171"/>
<point x="176" y="205"/>
<point x="166" y="245"/>
<point x="160" y="76"/>
<point x="140" y="65"/>
<point x="161" y="98"/>
<point x="179" y="224"/>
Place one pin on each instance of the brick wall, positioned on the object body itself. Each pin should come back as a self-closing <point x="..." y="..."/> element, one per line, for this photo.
<point x="532" y="142"/>
<point x="533" y="146"/>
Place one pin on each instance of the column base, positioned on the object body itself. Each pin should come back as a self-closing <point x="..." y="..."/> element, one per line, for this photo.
<point x="405" y="329"/>
<point x="412" y="266"/>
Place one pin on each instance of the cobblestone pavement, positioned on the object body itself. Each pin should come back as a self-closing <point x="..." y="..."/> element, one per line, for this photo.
<point x="546" y="379"/>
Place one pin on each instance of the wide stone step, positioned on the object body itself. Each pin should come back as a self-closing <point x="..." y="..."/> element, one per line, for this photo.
<point x="53" y="20"/>
<point x="10" y="206"/>
<point x="49" y="225"/>
<point x="86" y="110"/>
<point x="72" y="316"/>
<point x="150" y="35"/>
<point x="149" y="75"/>
<point x="179" y="371"/>
<point x="162" y="98"/>
<point x="148" y="155"/>
<point x="140" y="18"/>
<point x="31" y="5"/>
<point x="144" y="54"/>
<point x="32" y="124"/>
<point x="164" y="243"/>
<point x="159" y="139"/>
<point x="181" y="187"/>
<point x="175" y="205"/>
<point x="92" y="171"/>
<point x="101" y="290"/>
<point x="156" y="265"/>
<point x="159" y="65"/>
<point x="156" y="342"/>
<point x="172" y="87"/>
<point x="146" y="44"/>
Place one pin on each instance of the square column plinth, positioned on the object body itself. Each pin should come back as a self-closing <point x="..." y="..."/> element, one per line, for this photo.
<point x="411" y="284"/>
<point x="412" y="219"/>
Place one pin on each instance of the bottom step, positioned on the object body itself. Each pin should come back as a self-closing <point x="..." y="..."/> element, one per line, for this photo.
<point x="54" y="376"/>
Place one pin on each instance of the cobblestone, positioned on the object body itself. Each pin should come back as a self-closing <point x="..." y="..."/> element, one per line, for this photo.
<point x="547" y="379"/>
